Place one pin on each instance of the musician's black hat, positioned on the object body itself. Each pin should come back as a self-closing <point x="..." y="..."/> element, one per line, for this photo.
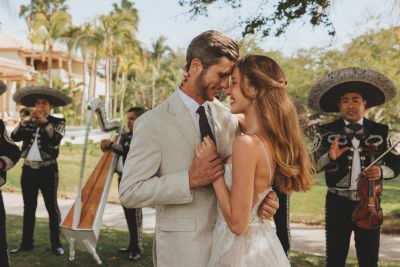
<point x="27" y="96"/>
<point x="375" y="87"/>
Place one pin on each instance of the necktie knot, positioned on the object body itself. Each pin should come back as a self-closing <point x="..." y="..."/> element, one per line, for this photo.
<point x="201" y="110"/>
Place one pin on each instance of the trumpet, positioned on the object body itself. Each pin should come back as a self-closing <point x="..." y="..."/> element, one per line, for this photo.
<point x="26" y="114"/>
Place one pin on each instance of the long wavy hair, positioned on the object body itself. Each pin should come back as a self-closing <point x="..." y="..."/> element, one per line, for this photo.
<point x="294" y="165"/>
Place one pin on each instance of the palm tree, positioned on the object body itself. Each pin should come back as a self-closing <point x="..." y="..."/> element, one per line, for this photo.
<point x="129" y="60"/>
<point x="69" y="37"/>
<point x="114" y="29"/>
<point x="39" y="19"/>
<point x="90" y="44"/>
<point x="50" y="29"/>
<point x="118" y="29"/>
<point x="159" y="50"/>
<point x="46" y="7"/>
<point x="72" y="38"/>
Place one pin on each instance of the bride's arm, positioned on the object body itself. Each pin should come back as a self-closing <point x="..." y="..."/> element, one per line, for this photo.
<point x="236" y="205"/>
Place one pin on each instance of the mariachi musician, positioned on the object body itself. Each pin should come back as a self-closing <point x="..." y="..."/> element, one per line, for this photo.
<point x="133" y="216"/>
<point x="41" y="134"/>
<point x="9" y="155"/>
<point x="343" y="150"/>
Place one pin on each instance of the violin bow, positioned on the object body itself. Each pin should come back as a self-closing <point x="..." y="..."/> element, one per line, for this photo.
<point x="381" y="156"/>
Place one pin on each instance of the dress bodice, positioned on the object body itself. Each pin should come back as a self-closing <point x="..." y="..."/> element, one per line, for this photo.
<point x="259" y="246"/>
<point x="261" y="196"/>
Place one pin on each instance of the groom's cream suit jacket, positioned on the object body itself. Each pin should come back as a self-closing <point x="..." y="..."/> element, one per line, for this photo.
<point x="156" y="174"/>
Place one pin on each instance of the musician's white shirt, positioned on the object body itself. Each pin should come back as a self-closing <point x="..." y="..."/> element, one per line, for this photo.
<point x="356" y="162"/>
<point x="34" y="153"/>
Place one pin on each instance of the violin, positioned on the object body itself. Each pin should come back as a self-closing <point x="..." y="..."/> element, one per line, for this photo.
<point x="368" y="214"/>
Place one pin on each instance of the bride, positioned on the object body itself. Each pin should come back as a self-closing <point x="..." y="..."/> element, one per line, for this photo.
<point x="270" y="148"/>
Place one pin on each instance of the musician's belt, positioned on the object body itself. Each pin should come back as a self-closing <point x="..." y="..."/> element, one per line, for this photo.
<point x="350" y="194"/>
<point x="39" y="164"/>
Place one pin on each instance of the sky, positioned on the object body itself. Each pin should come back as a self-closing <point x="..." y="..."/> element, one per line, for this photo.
<point x="165" y="17"/>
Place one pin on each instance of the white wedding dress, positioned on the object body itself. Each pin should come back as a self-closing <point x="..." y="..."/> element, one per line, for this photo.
<point x="258" y="247"/>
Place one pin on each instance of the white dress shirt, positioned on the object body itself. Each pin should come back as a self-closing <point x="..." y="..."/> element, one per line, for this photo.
<point x="34" y="153"/>
<point x="192" y="106"/>
<point x="356" y="162"/>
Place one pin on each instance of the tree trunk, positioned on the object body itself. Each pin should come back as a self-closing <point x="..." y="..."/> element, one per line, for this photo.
<point x="117" y="79"/>
<point x="110" y="86"/>
<point x="50" y="64"/>
<point x="69" y="71"/>
<point x="93" y="76"/>
<point x="121" y="104"/>
<point x="85" y="97"/>
<point x="107" y="96"/>
<point x="143" y="94"/>
<point x="153" y="89"/>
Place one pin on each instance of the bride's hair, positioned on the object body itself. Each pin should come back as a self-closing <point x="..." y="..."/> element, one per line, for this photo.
<point x="280" y="121"/>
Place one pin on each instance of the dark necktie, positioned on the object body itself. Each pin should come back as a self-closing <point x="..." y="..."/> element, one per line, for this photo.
<point x="205" y="128"/>
<point x="354" y="130"/>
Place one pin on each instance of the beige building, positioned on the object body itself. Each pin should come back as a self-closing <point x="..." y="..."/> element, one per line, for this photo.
<point x="22" y="63"/>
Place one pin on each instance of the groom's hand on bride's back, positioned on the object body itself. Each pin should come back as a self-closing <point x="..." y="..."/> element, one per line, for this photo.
<point x="205" y="170"/>
<point x="270" y="204"/>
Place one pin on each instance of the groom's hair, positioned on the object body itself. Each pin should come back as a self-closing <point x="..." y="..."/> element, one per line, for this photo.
<point x="209" y="47"/>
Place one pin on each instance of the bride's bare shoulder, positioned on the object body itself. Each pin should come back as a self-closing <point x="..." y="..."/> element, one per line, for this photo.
<point x="244" y="143"/>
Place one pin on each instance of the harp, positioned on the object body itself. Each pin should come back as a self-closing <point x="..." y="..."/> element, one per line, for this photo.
<point x="81" y="226"/>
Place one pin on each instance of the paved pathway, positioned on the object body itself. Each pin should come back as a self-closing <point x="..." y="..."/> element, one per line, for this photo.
<point x="304" y="238"/>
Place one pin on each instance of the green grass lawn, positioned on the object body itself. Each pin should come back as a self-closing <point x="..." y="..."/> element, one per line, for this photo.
<point x="110" y="240"/>
<point x="305" y="207"/>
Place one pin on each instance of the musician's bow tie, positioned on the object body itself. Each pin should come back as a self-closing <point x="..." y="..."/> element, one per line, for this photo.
<point x="354" y="130"/>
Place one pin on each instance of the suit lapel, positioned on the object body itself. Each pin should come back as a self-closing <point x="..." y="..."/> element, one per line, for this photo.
<point x="183" y="120"/>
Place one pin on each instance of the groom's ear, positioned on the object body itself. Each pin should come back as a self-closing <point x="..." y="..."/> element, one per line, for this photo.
<point x="196" y="66"/>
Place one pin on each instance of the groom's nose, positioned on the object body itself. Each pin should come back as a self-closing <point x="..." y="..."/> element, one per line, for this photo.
<point x="225" y="82"/>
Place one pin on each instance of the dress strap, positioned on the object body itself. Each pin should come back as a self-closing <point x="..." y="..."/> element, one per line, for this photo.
<point x="266" y="157"/>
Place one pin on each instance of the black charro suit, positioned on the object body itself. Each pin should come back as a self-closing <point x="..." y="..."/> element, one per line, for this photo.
<point x="9" y="156"/>
<point x="341" y="200"/>
<point x="40" y="175"/>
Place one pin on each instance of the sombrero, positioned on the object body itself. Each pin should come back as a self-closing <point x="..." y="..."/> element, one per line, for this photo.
<point x="3" y="87"/>
<point x="27" y="96"/>
<point x="375" y="87"/>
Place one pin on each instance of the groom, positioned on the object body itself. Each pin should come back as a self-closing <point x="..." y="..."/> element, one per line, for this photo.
<point x="161" y="169"/>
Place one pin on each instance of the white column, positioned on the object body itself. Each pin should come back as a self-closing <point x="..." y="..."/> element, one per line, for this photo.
<point x="11" y="106"/>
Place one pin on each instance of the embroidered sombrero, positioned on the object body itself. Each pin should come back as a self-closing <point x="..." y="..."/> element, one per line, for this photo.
<point x="375" y="87"/>
<point x="27" y="96"/>
<point x="3" y="87"/>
